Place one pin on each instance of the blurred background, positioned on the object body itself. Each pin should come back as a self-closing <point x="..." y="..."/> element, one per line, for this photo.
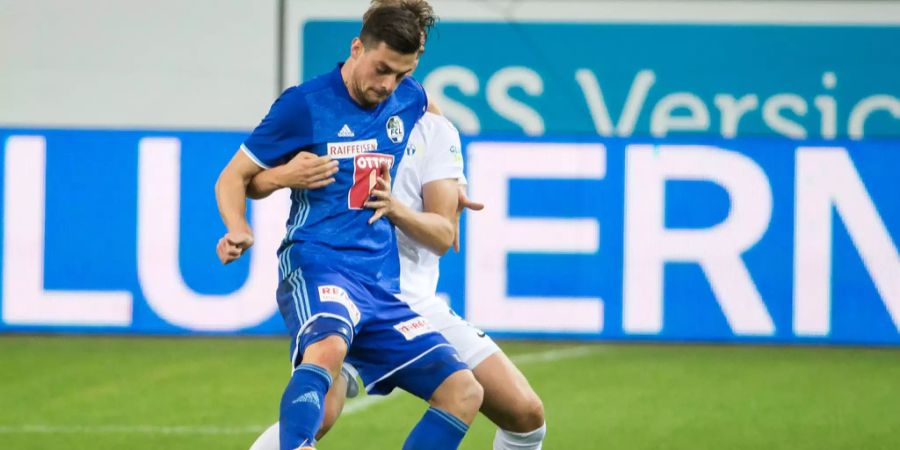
<point x="659" y="176"/>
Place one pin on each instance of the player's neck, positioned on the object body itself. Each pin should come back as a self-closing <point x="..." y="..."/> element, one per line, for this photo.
<point x="345" y="77"/>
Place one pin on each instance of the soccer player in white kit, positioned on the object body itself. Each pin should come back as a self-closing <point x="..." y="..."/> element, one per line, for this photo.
<point x="429" y="174"/>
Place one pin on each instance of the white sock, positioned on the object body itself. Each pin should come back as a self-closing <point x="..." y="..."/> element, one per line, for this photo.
<point x="269" y="440"/>
<point x="532" y="440"/>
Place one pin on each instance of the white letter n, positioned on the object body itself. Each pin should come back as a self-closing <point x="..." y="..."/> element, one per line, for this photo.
<point x="826" y="178"/>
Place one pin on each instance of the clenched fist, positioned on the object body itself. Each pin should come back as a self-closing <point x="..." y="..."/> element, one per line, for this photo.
<point x="232" y="246"/>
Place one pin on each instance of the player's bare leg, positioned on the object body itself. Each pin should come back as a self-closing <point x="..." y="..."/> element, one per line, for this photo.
<point x="454" y="405"/>
<point x="334" y="404"/>
<point x="328" y="354"/>
<point x="511" y="403"/>
<point x="460" y="395"/>
<point x="508" y="401"/>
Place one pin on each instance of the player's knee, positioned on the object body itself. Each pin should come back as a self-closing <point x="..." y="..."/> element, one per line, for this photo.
<point x="460" y="395"/>
<point x="530" y="416"/>
<point x="328" y="353"/>
<point x="469" y="394"/>
<point x="473" y="393"/>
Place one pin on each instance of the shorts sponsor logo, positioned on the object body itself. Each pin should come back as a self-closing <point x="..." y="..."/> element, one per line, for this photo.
<point x="414" y="328"/>
<point x="331" y="293"/>
<point x="341" y="150"/>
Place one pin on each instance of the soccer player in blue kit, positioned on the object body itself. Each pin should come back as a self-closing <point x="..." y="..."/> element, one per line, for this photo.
<point x="334" y="295"/>
<point x="424" y="203"/>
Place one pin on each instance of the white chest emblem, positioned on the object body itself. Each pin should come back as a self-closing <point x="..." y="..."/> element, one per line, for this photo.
<point x="395" y="129"/>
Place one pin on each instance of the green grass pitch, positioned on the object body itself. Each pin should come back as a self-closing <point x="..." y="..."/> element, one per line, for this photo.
<point x="93" y="393"/>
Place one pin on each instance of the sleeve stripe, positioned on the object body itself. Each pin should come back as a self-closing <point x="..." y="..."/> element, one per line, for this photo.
<point x="253" y="157"/>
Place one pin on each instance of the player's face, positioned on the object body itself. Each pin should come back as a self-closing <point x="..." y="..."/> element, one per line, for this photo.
<point x="378" y="71"/>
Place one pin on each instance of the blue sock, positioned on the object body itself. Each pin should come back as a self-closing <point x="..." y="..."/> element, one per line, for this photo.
<point x="303" y="406"/>
<point x="438" y="430"/>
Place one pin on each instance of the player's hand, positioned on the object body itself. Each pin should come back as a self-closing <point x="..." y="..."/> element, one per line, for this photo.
<point x="380" y="199"/>
<point x="307" y="171"/>
<point x="463" y="203"/>
<point x="232" y="246"/>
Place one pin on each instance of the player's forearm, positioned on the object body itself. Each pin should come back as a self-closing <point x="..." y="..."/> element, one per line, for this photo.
<point x="231" y="196"/>
<point x="264" y="184"/>
<point x="430" y="229"/>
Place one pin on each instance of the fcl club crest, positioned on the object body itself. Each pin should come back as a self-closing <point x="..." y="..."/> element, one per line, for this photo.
<point x="395" y="129"/>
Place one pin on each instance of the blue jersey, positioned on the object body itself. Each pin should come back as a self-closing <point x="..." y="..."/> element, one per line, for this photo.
<point x="330" y="224"/>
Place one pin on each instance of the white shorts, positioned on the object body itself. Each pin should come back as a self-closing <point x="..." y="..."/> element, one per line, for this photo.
<point x="472" y="344"/>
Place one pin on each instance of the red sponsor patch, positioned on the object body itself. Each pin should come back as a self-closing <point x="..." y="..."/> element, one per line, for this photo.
<point x="366" y="170"/>
<point x="415" y="327"/>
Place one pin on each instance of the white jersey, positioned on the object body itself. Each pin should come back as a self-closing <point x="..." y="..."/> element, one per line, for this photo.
<point x="433" y="153"/>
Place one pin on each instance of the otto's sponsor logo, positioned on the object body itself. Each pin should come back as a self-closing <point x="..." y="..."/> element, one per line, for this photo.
<point x="331" y="293"/>
<point x="340" y="150"/>
<point x="414" y="328"/>
<point x="366" y="170"/>
<point x="373" y="161"/>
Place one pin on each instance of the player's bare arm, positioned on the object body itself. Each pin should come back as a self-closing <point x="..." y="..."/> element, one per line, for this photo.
<point x="434" y="226"/>
<point x="304" y="171"/>
<point x="463" y="203"/>
<point x="433" y="107"/>
<point x="231" y="196"/>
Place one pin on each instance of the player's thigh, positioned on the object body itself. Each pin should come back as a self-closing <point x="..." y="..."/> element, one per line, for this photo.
<point x="400" y="348"/>
<point x="318" y="306"/>
<point x="509" y="400"/>
<point x="472" y="344"/>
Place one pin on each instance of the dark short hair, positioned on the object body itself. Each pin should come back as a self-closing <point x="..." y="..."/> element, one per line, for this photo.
<point x="401" y="24"/>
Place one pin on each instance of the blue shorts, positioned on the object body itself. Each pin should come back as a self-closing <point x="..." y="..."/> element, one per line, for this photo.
<point x="389" y="344"/>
